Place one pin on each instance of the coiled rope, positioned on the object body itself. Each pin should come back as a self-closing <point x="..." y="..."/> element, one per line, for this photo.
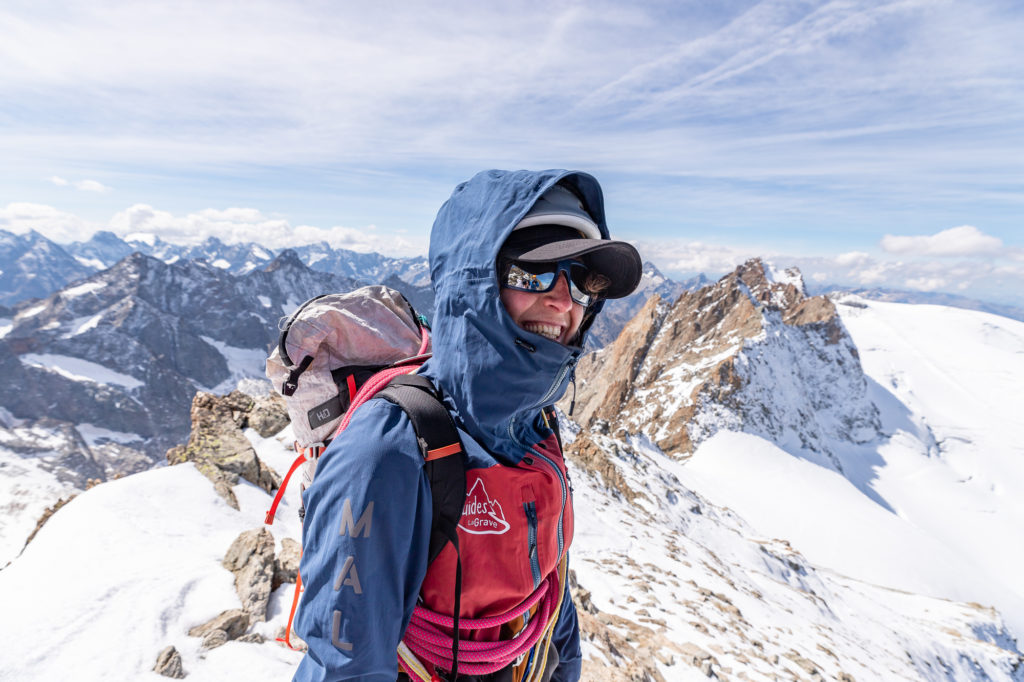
<point x="429" y="644"/>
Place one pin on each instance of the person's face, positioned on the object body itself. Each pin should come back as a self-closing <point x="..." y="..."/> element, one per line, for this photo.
<point x="552" y="314"/>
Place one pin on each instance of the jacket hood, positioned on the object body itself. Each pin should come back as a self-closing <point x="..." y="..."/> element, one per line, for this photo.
<point x="495" y="374"/>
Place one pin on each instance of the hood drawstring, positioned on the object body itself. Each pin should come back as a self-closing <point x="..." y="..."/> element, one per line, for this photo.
<point x="572" y="380"/>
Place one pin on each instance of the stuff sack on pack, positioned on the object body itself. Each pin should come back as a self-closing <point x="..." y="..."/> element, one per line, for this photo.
<point x="330" y="345"/>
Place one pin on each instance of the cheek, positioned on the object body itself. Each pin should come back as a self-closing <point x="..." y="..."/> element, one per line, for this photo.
<point x="516" y="302"/>
<point x="575" y="318"/>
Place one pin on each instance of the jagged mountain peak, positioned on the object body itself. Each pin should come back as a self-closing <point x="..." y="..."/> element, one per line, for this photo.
<point x="751" y="352"/>
<point x="287" y="258"/>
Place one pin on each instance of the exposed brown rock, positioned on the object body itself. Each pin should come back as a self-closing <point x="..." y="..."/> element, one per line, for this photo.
<point x="589" y="456"/>
<point x="678" y="373"/>
<point x="251" y="559"/>
<point x="233" y="623"/>
<point x="601" y="391"/>
<point x="218" y="447"/>
<point x="45" y="516"/>
<point x="286" y="565"/>
<point x="269" y="415"/>
<point x="168" y="664"/>
<point x="214" y="639"/>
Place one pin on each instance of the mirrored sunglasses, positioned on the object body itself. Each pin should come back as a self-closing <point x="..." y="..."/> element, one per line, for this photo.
<point x="541" y="277"/>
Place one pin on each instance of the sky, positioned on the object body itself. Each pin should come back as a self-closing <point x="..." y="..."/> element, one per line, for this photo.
<point x="871" y="143"/>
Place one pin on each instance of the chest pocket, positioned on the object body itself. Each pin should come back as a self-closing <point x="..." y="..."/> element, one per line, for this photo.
<point x="508" y="540"/>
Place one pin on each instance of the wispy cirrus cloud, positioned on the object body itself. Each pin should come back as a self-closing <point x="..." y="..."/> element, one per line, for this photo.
<point x="84" y="185"/>
<point x="811" y="126"/>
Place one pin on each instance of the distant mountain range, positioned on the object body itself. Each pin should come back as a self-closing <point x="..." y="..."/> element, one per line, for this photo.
<point x="107" y="340"/>
<point x="768" y="484"/>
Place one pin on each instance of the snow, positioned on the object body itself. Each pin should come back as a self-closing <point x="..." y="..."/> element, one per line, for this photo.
<point x="264" y="301"/>
<point x="77" y="369"/>
<point x="243" y="363"/>
<point x="221" y="263"/>
<point x="29" y="312"/>
<point x="6" y="325"/>
<point x="696" y="574"/>
<point x="26" y="490"/>
<point x="752" y="552"/>
<point x="315" y="258"/>
<point x="933" y="507"/>
<point x="85" y="288"/>
<point x="147" y="238"/>
<point x="94" y="263"/>
<point x="97" y="435"/>
<point x="80" y="325"/>
<point x="126" y="569"/>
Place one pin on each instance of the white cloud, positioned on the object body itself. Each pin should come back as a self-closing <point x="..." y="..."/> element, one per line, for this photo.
<point x="965" y="240"/>
<point x="853" y="258"/>
<point x="927" y="283"/>
<point x="234" y="225"/>
<point x="59" y="181"/>
<point x="91" y="186"/>
<point x="692" y="257"/>
<point x="22" y="217"/>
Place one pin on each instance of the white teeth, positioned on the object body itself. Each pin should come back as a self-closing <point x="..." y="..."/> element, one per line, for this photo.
<point x="546" y="330"/>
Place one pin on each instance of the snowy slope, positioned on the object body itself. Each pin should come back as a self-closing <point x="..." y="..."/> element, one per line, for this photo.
<point x="127" y="567"/>
<point x="697" y="580"/>
<point x="742" y="561"/>
<point x="933" y="508"/>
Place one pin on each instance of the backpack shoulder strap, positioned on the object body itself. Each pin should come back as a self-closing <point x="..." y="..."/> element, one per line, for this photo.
<point x="441" y="449"/>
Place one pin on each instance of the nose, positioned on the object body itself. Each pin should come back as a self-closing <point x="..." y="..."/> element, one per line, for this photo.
<point x="559" y="297"/>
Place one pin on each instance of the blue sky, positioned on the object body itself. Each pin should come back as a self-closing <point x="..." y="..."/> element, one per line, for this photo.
<point x="875" y="143"/>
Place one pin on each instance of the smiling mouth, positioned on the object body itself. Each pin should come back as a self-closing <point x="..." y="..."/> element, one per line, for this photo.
<point x="548" y="331"/>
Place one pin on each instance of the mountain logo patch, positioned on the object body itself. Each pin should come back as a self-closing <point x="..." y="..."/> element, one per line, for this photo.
<point x="481" y="515"/>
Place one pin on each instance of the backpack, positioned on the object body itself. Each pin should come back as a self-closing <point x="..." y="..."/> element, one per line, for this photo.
<point x="334" y="353"/>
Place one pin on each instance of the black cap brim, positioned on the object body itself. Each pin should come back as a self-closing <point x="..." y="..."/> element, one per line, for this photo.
<point x="618" y="261"/>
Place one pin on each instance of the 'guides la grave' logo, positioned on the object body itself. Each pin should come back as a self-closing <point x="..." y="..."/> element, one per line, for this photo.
<point x="481" y="515"/>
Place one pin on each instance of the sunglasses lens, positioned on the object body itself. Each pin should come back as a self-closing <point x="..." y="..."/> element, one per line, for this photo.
<point x="541" y="277"/>
<point x="528" y="280"/>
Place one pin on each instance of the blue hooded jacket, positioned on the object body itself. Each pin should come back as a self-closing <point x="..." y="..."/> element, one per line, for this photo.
<point x="368" y="510"/>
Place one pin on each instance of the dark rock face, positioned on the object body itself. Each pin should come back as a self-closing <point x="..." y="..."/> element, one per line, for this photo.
<point x="126" y="349"/>
<point x="752" y="352"/>
<point x="32" y="266"/>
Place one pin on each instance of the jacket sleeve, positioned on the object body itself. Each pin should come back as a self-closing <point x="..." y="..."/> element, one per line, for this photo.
<point x="365" y="539"/>
<point x="566" y="640"/>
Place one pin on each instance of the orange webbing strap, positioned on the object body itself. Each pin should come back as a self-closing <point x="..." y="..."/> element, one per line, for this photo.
<point x="312" y="452"/>
<point x="291" y="614"/>
<point x="269" y="519"/>
<point x="350" y="381"/>
<point x="438" y="453"/>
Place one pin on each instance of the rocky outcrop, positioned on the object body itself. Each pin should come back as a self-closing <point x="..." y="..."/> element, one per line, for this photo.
<point x="224" y="627"/>
<point x="218" y="447"/>
<point x="251" y="559"/>
<point x="752" y="352"/>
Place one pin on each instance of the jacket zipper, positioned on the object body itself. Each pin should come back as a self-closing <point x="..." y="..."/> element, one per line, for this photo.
<point x="531" y="519"/>
<point x="566" y="368"/>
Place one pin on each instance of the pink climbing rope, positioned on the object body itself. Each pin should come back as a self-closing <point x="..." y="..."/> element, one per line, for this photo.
<point x="430" y="644"/>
